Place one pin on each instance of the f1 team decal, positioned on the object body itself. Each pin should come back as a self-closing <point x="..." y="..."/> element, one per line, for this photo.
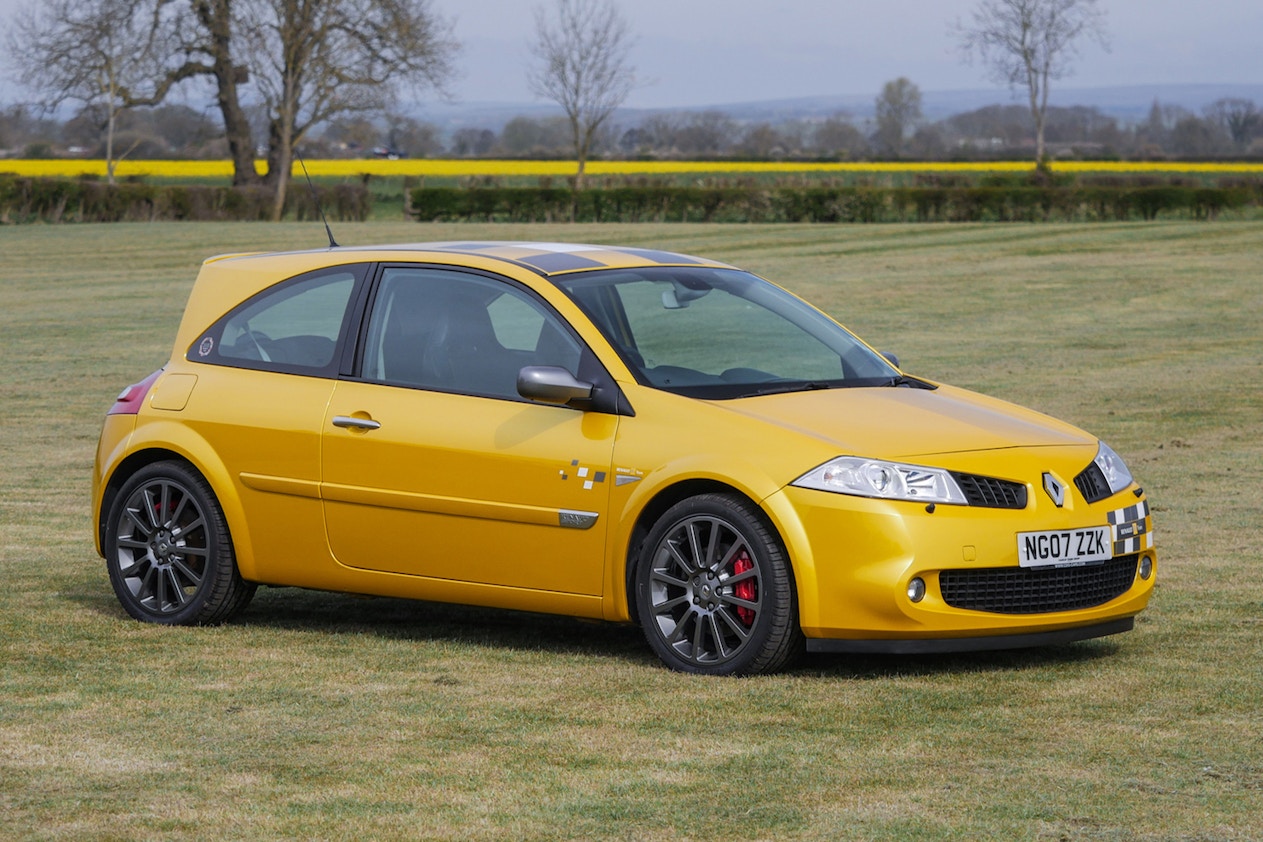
<point x="1132" y="530"/>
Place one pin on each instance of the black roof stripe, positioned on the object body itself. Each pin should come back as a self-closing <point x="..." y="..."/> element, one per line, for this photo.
<point x="556" y="261"/>
<point x="656" y="255"/>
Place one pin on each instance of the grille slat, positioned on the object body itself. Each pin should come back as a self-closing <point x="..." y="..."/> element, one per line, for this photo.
<point x="991" y="493"/>
<point x="1039" y="590"/>
<point x="1092" y="484"/>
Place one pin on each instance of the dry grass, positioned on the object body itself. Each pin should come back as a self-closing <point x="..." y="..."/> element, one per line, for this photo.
<point x="328" y="717"/>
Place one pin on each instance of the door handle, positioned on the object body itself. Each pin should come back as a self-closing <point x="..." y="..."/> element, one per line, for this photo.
<point x="351" y="423"/>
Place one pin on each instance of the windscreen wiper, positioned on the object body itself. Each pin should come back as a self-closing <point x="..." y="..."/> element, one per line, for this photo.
<point x="795" y="386"/>
<point x="908" y="382"/>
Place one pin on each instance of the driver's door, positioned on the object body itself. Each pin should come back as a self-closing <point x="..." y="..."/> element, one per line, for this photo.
<point x="434" y="466"/>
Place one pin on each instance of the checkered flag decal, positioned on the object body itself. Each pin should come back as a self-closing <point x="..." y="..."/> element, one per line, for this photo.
<point x="1132" y="529"/>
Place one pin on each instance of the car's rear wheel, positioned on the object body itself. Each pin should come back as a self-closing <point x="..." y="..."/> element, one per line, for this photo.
<point x="714" y="590"/>
<point x="168" y="550"/>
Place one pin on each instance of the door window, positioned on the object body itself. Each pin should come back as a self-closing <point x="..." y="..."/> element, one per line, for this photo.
<point x="459" y="332"/>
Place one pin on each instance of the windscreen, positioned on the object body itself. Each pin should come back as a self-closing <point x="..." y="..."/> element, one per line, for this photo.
<point x="721" y="333"/>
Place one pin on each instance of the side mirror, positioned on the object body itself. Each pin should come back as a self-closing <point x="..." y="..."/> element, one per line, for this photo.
<point x="551" y="384"/>
<point x="891" y="358"/>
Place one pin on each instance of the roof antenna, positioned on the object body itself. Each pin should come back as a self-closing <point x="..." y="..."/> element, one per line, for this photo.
<point x="315" y="197"/>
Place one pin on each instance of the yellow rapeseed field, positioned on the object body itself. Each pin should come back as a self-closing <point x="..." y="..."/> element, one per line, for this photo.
<point x="456" y="168"/>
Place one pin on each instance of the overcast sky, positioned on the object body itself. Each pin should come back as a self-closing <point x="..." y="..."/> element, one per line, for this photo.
<point x="698" y="52"/>
<point x="712" y="52"/>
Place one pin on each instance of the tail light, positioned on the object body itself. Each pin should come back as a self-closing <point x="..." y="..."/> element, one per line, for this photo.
<point x="130" y="399"/>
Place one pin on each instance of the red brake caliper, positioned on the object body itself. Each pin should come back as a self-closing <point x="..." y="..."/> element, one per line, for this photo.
<point x="744" y="589"/>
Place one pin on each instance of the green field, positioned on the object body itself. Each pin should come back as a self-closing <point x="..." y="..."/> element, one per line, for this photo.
<point x="329" y="717"/>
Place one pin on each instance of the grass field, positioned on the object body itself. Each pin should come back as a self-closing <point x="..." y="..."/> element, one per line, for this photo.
<point x="327" y="717"/>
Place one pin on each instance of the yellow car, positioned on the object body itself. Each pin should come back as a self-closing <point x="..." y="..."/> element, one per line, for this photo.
<point x="605" y="432"/>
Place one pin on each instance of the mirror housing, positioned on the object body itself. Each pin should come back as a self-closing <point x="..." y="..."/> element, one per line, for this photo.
<point x="552" y="384"/>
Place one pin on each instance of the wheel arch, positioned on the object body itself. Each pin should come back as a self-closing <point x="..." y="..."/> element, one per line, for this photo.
<point x="215" y="475"/>
<point x="124" y="471"/>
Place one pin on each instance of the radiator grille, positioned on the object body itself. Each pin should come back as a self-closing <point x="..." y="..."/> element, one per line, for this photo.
<point x="1091" y="483"/>
<point x="1039" y="590"/>
<point x="991" y="493"/>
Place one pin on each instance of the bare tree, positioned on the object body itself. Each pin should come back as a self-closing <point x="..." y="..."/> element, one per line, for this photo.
<point x="529" y="136"/>
<point x="98" y="52"/>
<point x="1029" y="43"/>
<point x="898" y="112"/>
<point x="413" y="138"/>
<point x="315" y="59"/>
<point x="839" y="137"/>
<point x="706" y="133"/>
<point x="305" y="62"/>
<point x="581" y="63"/>
<point x="1240" y="118"/>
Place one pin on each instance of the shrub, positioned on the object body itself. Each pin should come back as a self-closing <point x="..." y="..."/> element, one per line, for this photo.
<point x="89" y="200"/>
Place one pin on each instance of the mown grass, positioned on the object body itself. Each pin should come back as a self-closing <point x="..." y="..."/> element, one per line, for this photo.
<point x="325" y="716"/>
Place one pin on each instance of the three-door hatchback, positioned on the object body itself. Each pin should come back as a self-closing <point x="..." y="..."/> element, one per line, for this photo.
<point x="604" y="432"/>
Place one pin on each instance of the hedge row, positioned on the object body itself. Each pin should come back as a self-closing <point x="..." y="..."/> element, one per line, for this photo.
<point x="752" y="203"/>
<point x="60" y="200"/>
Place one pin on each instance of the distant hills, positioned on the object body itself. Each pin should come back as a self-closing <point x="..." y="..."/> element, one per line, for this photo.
<point x="1128" y="104"/>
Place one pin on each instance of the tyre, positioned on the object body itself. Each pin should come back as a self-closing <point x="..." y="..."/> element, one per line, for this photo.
<point x="168" y="550"/>
<point x="714" y="591"/>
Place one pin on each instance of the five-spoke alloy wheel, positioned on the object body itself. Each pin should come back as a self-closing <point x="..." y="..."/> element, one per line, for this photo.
<point x="168" y="550"/>
<point x="714" y="591"/>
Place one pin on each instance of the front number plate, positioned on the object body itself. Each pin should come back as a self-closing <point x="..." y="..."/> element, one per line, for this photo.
<point x="1064" y="547"/>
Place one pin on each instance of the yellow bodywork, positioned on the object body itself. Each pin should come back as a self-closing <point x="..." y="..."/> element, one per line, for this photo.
<point x="465" y="499"/>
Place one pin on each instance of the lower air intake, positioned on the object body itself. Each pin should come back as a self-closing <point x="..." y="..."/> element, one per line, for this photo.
<point x="1038" y="590"/>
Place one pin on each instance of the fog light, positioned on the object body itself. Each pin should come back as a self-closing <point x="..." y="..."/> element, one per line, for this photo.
<point x="916" y="589"/>
<point x="1146" y="567"/>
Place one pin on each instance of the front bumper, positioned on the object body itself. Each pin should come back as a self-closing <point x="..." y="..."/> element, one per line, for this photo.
<point x="854" y="558"/>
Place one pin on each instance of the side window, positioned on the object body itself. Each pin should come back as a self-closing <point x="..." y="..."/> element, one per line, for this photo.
<point x="292" y="327"/>
<point x="516" y="323"/>
<point x="457" y="332"/>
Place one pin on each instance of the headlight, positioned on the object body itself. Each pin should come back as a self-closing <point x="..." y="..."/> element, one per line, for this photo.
<point x="887" y="480"/>
<point x="1112" y="466"/>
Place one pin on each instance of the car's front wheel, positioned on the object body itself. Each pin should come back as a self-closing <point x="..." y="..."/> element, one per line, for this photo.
<point x="168" y="550"/>
<point x="714" y="589"/>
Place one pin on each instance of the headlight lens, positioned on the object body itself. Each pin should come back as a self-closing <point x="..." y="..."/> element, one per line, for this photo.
<point x="887" y="480"/>
<point x="1112" y="466"/>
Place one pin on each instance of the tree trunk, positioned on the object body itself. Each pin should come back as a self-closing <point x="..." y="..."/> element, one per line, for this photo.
<point x="110" y="163"/>
<point x="1041" y="119"/>
<point x="216" y="17"/>
<point x="280" y="163"/>
<point x="576" y="140"/>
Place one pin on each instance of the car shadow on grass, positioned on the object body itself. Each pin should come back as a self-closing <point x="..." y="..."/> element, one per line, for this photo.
<point x="421" y="621"/>
<point x="1007" y="660"/>
<point x="520" y="630"/>
<point x="295" y="609"/>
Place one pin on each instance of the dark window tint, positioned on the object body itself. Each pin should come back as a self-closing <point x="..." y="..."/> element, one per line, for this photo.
<point x="293" y="326"/>
<point x="459" y="332"/>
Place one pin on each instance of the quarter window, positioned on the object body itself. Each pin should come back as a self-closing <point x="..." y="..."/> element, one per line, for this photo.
<point x="293" y="327"/>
